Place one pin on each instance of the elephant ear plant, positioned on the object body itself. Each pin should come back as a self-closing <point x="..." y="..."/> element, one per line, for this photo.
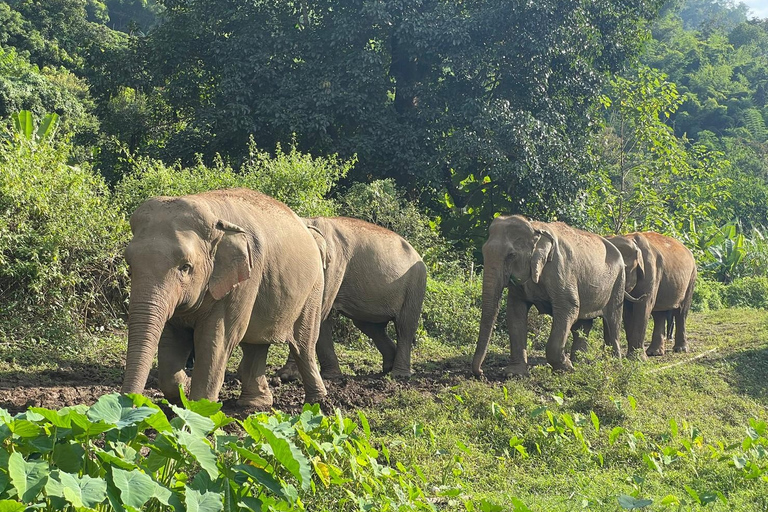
<point x="573" y="275"/>
<point x="213" y="270"/>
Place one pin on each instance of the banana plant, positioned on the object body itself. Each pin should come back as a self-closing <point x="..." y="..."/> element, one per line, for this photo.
<point x="24" y="126"/>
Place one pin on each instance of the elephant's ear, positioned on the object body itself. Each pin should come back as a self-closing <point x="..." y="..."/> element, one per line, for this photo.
<point x="325" y="254"/>
<point x="543" y="252"/>
<point x="232" y="261"/>
<point x="640" y="261"/>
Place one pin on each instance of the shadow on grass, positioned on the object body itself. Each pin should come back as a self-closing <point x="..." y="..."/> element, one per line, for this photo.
<point x="749" y="372"/>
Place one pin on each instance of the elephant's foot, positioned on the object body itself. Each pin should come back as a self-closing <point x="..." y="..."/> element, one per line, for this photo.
<point x="171" y="390"/>
<point x="517" y="370"/>
<point x="655" y="351"/>
<point x="399" y="373"/>
<point x="315" y="398"/>
<point x="331" y="375"/>
<point x="289" y="372"/>
<point x="562" y="366"/>
<point x="261" y="402"/>
<point x="636" y="354"/>
<point x="680" y="348"/>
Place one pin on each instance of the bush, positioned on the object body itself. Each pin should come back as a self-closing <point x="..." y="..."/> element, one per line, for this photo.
<point x="452" y="308"/>
<point x="707" y="295"/>
<point x="60" y="236"/>
<point x="299" y="180"/>
<point x="380" y="202"/>
<point x="749" y="292"/>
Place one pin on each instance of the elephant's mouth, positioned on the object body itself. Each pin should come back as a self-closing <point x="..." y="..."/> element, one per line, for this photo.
<point x="518" y="282"/>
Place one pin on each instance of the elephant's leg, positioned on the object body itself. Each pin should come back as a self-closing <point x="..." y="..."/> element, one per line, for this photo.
<point x="378" y="333"/>
<point x="656" y="347"/>
<point x="303" y="346"/>
<point x="636" y="325"/>
<point x="252" y="371"/>
<point x="612" y="316"/>
<point x="172" y="353"/>
<point x="562" y="320"/>
<point x="517" y="326"/>
<point x="326" y="351"/>
<point x="579" y="341"/>
<point x="681" y="337"/>
<point x="215" y="339"/>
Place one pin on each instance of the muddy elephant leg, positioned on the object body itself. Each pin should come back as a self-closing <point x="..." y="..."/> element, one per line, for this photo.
<point x="636" y="324"/>
<point x="172" y="353"/>
<point x="215" y="339"/>
<point x="562" y="321"/>
<point x="252" y="372"/>
<point x="517" y="327"/>
<point x="579" y="341"/>
<point x="303" y="346"/>
<point x="656" y="347"/>
<point x="326" y="351"/>
<point x="681" y="337"/>
<point x="378" y="333"/>
<point x="406" y="324"/>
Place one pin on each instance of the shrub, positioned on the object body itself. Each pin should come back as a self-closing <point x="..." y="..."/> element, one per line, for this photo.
<point x="452" y="308"/>
<point x="751" y="292"/>
<point x="60" y="235"/>
<point x="707" y="295"/>
<point x="299" y="180"/>
<point x="380" y="202"/>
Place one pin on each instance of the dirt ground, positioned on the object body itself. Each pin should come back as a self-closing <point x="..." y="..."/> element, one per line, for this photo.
<point x="84" y="384"/>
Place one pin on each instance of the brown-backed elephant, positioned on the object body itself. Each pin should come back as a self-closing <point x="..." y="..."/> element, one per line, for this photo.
<point x="213" y="270"/>
<point x="573" y="275"/>
<point x="373" y="276"/>
<point x="661" y="275"/>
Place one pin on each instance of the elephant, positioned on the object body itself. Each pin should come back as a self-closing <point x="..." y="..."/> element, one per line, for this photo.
<point x="214" y="270"/>
<point x="373" y="276"/>
<point x="570" y="274"/>
<point x="660" y="277"/>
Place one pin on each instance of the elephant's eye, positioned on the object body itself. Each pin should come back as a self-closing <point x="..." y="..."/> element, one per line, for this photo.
<point x="185" y="268"/>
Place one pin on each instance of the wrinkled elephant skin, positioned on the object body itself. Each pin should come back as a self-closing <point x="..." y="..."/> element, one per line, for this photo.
<point x="215" y="270"/>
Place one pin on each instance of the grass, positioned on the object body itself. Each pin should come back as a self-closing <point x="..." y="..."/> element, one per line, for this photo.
<point x="501" y="440"/>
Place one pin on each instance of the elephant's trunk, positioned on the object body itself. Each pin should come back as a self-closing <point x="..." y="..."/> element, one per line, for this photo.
<point x="493" y="285"/>
<point x="146" y="320"/>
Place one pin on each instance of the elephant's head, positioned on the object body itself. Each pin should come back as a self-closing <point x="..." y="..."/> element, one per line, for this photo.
<point x="634" y="263"/>
<point x="180" y="252"/>
<point x="516" y="252"/>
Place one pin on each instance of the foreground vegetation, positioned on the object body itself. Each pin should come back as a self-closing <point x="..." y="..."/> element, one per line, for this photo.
<point x="681" y="432"/>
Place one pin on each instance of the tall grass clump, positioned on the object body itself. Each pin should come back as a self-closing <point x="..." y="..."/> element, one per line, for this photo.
<point x="60" y="236"/>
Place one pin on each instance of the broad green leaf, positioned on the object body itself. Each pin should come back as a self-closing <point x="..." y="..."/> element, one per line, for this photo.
<point x="28" y="478"/>
<point x="201" y="451"/>
<point x="364" y="423"/>
<point x="83" y="427"/>
<point x="262" y="477"/>
<point x="595" y="421"/>
<point x="83" y="491"/>
<point x="199" y="425"/>
<point x="110" y="459"/>
<point x="11" y="506"/>
<point x="58" y="419"/>
<point x="208" y="502"/>
<point x="203" y="407"/>
<point x="25" y="428"/>
<point x="615" y="433"/>
<point x="119" y="410"/>
<point x="288" y="455"/>
<point x="48" y="126"/>
<point x="136" y="488"/>
<point x="519" y="506"/>
<point x="630" y="503"/>
<point x="68" y="456"/>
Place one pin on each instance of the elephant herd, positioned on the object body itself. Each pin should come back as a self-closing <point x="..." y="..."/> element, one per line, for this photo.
<point x="214" y="270"/>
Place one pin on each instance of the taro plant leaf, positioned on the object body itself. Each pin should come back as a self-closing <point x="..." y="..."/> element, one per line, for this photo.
<point x="208" y="502"/>
<point x="262" y="477"/>
<point x="201" y="451"/>
<point x="519" y="506"/>
<point x="288" y="455"/>
<point x="135" y="487"/>
<point x="3" y="477"/>
<point x="60" y="419"/>
<point x="203" y="407"/>
<point x="631" y="503"/>
<point x="27" y="477"/>
<point x="84" y="427"/>
<point x="11" y="506"/>
<point x="25" y="428"/>
<point x="83" y="491"/>
<point x="119" y="410"/>
<point x="68" y="456"/>
<point x="198" y="425"/>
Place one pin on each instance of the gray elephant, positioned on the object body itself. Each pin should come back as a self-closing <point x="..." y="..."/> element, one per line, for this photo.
<point x="372" y="276"/>
<point x="573" y="275"/>
<point x="660" y="277"/>
<point x="213" y="270"/>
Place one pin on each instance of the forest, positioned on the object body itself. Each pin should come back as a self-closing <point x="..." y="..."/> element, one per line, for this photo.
<point x="430" y="118"/>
